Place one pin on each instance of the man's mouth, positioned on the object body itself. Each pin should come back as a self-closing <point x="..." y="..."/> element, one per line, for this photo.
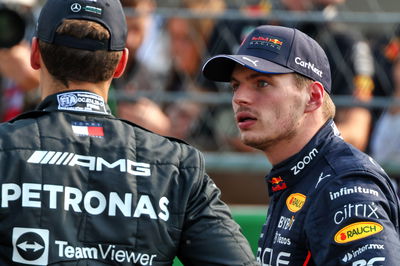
<point x="245" y="120"/>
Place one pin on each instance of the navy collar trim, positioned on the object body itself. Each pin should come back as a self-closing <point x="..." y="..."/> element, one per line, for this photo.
<point x="291" y="171"/>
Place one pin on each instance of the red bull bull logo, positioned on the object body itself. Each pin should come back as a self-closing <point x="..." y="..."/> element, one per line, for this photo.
<point x="277" y="183"/>
<point x="276" y="41"/>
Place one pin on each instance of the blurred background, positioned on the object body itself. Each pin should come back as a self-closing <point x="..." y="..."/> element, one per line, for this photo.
<point x="163" y="89"/>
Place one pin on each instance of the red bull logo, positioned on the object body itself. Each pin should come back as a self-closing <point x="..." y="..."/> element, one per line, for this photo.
<point x="276" y="180"/>
<point x="277" y="183"/>
<point x="276" y="41"/>
<point x="273" y="41"/>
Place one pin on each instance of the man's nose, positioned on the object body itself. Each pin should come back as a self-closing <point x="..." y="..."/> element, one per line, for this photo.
<point x="241" y="96"/>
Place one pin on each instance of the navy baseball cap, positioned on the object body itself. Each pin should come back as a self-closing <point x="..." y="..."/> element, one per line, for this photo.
<point x="108" y="13"/>
<point x="274" y="50"/>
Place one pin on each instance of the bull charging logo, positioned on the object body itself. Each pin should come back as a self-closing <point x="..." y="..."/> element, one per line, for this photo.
<point x="277" y="183"/>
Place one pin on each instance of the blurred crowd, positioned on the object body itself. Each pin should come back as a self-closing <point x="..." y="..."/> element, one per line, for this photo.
<point x="163" y="83"/>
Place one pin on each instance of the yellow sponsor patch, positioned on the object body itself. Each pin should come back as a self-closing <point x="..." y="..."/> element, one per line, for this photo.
<point x="295" y="202"/>
<point x="357" y="231"/>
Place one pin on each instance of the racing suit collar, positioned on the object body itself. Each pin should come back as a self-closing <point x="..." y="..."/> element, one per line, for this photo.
<point x="75" y="101"/>
<point x="291" y="171"/>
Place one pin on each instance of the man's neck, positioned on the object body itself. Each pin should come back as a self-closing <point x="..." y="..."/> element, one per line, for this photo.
<point x="284" y="149"/>
<point x="50" y="86"/>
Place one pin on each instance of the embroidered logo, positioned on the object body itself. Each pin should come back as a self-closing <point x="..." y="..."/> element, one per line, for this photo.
<point x="357" y="231"/>
<point x="75" y="7"/>
<point x="90" y="129"/>
<point x="277" y="183"/>
<point x="254" y="62"/>
<point x="295" y="202"/>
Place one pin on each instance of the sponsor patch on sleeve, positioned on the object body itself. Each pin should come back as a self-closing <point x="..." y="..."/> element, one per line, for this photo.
<point x="356" y="231"/>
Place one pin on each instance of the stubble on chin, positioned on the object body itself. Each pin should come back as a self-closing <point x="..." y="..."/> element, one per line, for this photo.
<point x="266" y="142"/>
<point x="258" y="143"/>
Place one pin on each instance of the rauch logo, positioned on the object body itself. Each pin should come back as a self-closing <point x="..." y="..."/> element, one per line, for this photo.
<point x="357" y="231"/>
<point x="295" y="202"/>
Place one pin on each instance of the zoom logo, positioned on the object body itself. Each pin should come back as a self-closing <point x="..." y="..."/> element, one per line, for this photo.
<point x="30" y="246"/>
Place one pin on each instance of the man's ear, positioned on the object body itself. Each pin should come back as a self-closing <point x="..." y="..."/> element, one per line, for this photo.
<point x="35" y="54"/>
<point x="122" y="64"/>
<point x="316" y="96"/>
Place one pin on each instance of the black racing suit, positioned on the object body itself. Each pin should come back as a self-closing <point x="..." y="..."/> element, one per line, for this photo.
<point x="81" y="187"/>
<point x="330" y="204"/>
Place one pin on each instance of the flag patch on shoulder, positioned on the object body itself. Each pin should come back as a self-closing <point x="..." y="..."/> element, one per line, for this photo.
<point x="91" y="129"/>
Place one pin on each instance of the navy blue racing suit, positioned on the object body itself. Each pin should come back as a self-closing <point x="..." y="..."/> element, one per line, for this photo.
<point x="330" y="204"/>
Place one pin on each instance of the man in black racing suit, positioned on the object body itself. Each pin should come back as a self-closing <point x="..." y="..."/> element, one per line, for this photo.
<point x="330" y="204"/>
<point x="81" y="187"/>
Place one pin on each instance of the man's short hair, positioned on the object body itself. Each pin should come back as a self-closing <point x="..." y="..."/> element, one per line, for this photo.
<point x="71" y="64"/>
<point x="81" y="40"/>
<point x="328" y="107"/>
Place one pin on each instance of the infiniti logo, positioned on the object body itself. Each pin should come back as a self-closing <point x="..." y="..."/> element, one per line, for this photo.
<point x="75" y="7"/>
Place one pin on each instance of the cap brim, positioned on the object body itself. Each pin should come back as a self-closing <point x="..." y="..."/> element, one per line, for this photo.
<point x="220" y="67"/>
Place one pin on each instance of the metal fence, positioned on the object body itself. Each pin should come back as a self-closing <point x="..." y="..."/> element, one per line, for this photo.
<point x="373" y="19"/>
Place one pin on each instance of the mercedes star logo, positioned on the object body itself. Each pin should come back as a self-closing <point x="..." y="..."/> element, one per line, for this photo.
<point x="75" y="7"/>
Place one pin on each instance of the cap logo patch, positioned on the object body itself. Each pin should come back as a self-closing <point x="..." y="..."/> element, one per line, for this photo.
<point x="308" y="65"/>
<point x="270" y="41"/>
<point x="254" y="62"/>
<point x="93" y="9"/>
<point x="75" y="7"/>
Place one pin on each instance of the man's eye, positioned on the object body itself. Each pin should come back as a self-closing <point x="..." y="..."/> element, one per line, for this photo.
<point x="262" y="83"/>
<point x="234" y="87"/>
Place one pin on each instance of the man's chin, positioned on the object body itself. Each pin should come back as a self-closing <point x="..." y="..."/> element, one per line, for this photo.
<point x="252" y="142"/>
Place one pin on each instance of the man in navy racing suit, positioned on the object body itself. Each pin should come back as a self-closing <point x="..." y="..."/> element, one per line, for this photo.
<point x="81" y="187"/>
<point x="330" y="204"/>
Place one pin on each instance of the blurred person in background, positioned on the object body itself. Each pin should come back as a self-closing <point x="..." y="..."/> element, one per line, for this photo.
<point x="385" y="139"/>
<point x="327" y="198"/>
<point x="190" y="120"/>
<point x="143" y="42"/>
<point x="386" y="50"/>
<point x="86" y="188"/>
<point x="352" y="65"/>
<point x="18" y="81"/>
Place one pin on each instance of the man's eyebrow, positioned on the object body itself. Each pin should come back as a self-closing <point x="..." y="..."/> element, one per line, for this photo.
<point x="257" y="75"/>
<point x="253" y="76"/>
